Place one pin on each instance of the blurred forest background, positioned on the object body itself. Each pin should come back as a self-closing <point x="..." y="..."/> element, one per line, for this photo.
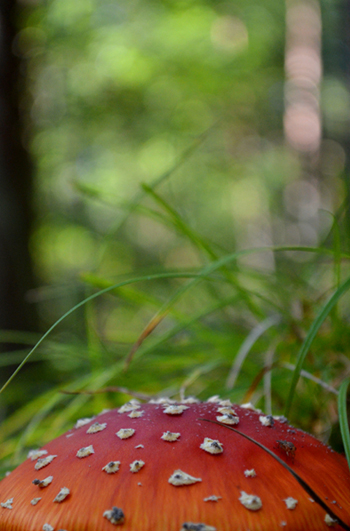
<point x="159" y="145"/>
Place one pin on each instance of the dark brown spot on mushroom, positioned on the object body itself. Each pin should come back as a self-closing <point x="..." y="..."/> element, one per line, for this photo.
<point x="189" y="526"/>
<point x="42" y="483"/>
<point x="287" y="447"/>
<point x="114" y="515"/>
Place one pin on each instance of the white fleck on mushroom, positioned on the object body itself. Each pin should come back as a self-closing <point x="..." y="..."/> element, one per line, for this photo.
<point x="226" y="411"/>
<point x="48" y="527"/>
<point x="139" y="446"/>
<point x="112" y="467"/>
<point x="225" y="403"/>
<point x="136" y="466"/>
<point x="190" y="400"/>
<point x="85" y="451"/>
<point x="329" y="520"/>
<point x="35" y="454"/>
<point x="228" y="419"/>
<point x="179" y="478"/>
<point x="212" y="446"/>
<point x="81" y="422"/>
<point x="34" y="501"/>
<point x="125" y="433"/>
<point x="249" y="405"/>
<point x="129" y="406"/>
<point x="214" y="399"/>
<point x="96" y="427"/>
<point x="136" y="414"/>
<point x="250" y="473"/>
<point x="212" y="498"/>
<point x="190" y="526"/>
<point x="175" y="409"/>
<point x="184" y="503"/>
<point x="44" y="462"/>
<point x="7" y="504"/>
<point x="62" y="495"/>
<point x="267" y="420"/>
<point x="42" y="483"/>
<point x="250" y="501"/>
<point x="281" y="418"/>
<point x="162" y="400"/>
<point x="170" y="436"/>
<point x="114" y="515"/>
<point x="291" y="502"/>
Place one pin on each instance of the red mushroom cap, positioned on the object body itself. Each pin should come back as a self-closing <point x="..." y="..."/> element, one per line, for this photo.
<point x="159" y="467"/>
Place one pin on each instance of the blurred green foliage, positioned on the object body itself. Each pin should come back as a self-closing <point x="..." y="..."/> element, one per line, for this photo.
<point x="156" y="127"/>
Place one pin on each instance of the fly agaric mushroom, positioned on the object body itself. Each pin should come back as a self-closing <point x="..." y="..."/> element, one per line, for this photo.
<point x="172" y="471"/>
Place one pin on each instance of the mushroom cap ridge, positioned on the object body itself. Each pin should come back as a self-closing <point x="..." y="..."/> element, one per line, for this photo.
<point x="147" y="499"/>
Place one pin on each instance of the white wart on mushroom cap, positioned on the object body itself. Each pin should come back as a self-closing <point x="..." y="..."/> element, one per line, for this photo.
<point x="220" y="496"/>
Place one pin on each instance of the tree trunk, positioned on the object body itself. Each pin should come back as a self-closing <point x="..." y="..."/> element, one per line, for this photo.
<point x="16" y="276"/>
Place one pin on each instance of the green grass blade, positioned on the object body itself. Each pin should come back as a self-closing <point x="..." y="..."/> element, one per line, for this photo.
<point x="337" y="250"/>
<point x="246" y="347"/>
<point x="183" y="157"/>
<point x="178" y="222"/>
<point x="90" y="298"/>
<point x="196" y="278"/>
<point x="343" y="288"/>
<point x="343" y="417"/>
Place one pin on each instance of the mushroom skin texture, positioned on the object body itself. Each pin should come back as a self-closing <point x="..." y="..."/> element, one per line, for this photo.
<point x="221" y="496"/>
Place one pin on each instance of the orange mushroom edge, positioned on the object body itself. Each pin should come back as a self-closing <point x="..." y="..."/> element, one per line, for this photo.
<point x="159" y="466"/>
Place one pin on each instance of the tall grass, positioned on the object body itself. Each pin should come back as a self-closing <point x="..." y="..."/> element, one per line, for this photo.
<point x="279" y="339"/>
